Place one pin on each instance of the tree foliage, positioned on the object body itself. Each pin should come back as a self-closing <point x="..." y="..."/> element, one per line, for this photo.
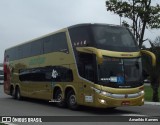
<point x="154" y="72"/>
<point x="141" y="13"/>
<point x="155" y="43"/>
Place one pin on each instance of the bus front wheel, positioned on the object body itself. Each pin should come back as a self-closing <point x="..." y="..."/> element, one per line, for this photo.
<point x="71" y="100"/>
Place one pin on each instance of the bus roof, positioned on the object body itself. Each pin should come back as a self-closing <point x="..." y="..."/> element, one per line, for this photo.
<point x="88" y="24"/>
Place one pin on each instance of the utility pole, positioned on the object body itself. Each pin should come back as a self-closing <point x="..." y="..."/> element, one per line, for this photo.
<point x="120" y="18"/>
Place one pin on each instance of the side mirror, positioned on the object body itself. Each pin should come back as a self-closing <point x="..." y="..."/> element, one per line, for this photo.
<point x="149" y="56"/>
<point x="91" y="50"/>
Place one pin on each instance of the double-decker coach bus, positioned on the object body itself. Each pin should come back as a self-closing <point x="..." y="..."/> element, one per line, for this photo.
<point x="94" y="65"/>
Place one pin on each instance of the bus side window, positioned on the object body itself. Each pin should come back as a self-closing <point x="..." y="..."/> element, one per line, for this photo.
<point x="56" y="43"/>
<point x="66" y="75"/>
<point x="69" y="75"/>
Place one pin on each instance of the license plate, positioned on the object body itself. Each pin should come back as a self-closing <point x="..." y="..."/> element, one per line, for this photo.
<point x="125" y="103"/>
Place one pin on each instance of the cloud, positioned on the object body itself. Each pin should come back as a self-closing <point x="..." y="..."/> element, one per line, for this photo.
<point x="22" y="20"/>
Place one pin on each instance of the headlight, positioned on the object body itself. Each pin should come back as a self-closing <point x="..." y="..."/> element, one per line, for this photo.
<point x="101" y="92"/>
<point x="105" y="93"/>
<point x="141" y="92"/>
<point x="96" y="90"/>
<point x="102" y="101"/>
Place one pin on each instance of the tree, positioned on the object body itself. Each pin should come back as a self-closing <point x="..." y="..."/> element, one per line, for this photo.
<point x="141" y="13"/>
<point x="154" y="72"/>
<point x="156" y="42"/>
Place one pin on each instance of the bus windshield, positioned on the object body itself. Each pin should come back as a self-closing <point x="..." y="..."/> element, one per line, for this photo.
<point x="120" y="73"/>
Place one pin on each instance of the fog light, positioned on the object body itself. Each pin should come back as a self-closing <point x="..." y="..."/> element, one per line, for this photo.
<point x="102" y="101"/>
<point x="143" y="100"/>
<point x="142" y="92"/>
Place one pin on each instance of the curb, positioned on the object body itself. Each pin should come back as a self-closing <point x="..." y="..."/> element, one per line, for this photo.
<point x="152" y="103"/>
<point x="6" y="123"/>
<point x="147" y="84"/>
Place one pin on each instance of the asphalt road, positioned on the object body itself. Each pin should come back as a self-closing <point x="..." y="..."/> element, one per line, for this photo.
<point x="31" y="107"/>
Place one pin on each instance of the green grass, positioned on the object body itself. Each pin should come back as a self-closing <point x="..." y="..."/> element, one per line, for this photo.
<point x="2" y="124"/>
<point x="149" y="93"/>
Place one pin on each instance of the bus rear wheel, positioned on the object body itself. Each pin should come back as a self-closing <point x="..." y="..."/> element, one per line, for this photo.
<point x="71" y="100"/>
<point x="58" y="97"/>
<point x="18" y="94"/>
<point x="12" y="93"/>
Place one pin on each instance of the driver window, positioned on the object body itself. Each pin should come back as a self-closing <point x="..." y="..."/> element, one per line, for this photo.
<point x="89" y="72"/>
<point x="86" y="66"/>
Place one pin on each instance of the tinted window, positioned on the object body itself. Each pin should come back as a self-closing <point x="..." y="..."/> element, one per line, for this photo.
<point x="67" y="75"/>
<point x="62" y="74"/>
<point x="120" y="73"/>
<point x="36" y="47"/>
<point x="53" y="43"/>
<point x="114" y="38"/>
<point x="56" y="42"/>
<point x="49" y="73"/>
<point x="86" y="66"/>
<point x="20" y="52"/>
<point x="81" y="36"/>
<point x="13" y="53"/>
<point x="26" y="50"/>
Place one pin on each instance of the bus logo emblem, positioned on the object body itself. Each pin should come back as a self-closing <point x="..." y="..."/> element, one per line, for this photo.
<point x="54" y="74"/>
<point x="126" y="96"/>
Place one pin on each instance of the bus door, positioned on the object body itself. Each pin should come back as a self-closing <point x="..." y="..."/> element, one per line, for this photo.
<point x="87" y="70"/>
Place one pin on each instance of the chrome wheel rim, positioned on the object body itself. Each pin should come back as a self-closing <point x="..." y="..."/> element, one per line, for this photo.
<point x="72" y="99"/>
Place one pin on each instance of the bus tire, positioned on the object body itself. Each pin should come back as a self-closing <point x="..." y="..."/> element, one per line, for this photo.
<point x="71" y="100"/>
<point x="18" y="94"/>
<point x="58" y="97"/>
<point x="12" y="93"/>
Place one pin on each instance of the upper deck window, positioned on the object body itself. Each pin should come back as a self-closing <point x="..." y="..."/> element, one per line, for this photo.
<point x="114" y="38"/>
<point x="106" y="37"/>
<point x="81" y="36"/>
<point x="56" y="42"/>
<point x="53" y="43"/>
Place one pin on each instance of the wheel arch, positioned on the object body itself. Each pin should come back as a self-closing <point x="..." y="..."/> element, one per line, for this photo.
<point x="58" y="87"/>
<point x="69" y="88"/>
<point x="16" y="87"/>
<point x="12" y="89"/>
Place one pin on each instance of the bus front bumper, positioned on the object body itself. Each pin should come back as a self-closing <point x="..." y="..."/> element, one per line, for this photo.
<point x="104" y="101"/>
<point x="110" y="97"/>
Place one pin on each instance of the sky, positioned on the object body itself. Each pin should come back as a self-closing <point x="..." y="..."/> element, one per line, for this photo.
<point x="23" y="20"/>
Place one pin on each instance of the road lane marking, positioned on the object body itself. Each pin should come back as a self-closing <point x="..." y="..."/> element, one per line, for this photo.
<point x="152" y="103"/>
<point x="132" y="115"/>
